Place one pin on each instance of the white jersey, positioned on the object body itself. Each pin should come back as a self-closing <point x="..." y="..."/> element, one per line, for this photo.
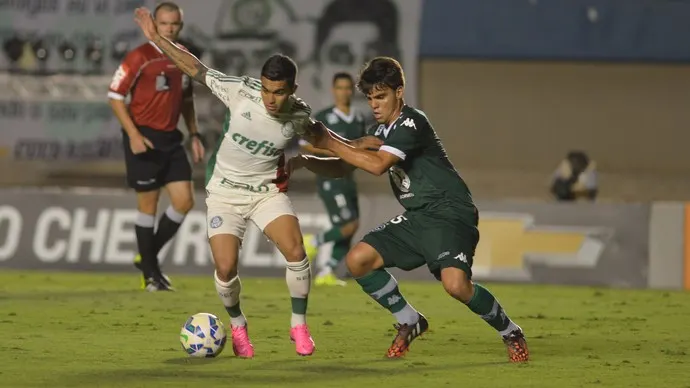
<point x="250" y="158"/>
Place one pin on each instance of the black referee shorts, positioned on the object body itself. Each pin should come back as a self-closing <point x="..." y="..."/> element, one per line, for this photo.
<point x="166" y="162"/>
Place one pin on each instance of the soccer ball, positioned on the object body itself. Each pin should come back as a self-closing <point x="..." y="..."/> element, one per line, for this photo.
<point x="203" y="335"/>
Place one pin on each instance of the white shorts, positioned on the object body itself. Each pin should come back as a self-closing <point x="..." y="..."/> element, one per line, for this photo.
<point x="229" y="215"/>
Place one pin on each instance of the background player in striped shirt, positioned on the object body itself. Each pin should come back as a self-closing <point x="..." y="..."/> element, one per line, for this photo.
<point x="154" y="154"/>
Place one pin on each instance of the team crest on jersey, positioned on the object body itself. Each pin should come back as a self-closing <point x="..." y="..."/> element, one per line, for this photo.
<point x="400" y="179"/>
<point x="331" y="118"/>
<point x="288" y="129"/>
<point x="216" y="222"/>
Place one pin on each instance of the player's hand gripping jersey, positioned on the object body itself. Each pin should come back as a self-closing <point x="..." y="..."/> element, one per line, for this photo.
<point x="250" y="156"/>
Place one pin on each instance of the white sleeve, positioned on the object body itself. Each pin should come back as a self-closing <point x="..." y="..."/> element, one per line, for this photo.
<point x="226" y="87"/>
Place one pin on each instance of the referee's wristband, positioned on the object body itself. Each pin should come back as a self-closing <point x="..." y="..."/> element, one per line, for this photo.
<point x="196" y="134"/>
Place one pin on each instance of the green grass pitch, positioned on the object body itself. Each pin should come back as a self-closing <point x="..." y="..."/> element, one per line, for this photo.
<point x="97" y="330"/>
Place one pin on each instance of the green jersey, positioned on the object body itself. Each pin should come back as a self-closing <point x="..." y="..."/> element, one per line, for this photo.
<point x="348" y="126"/>
<point x="424" y="178"/>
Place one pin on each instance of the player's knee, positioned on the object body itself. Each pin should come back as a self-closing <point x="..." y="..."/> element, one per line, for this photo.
<point x="183" y="206"/>
<point x="360" y="261"/>
<point x="294" y="253"/>
<point x="456" y="284"/>
<point x="226" y="269"/>
<point x="147" y="204"/>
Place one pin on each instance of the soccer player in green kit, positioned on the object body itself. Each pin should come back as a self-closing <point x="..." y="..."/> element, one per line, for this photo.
<point x="339" y="196"/>
<point x="439" y="226"/>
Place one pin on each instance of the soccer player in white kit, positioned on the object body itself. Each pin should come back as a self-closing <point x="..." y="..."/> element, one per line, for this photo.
<point x="247" y="178"/>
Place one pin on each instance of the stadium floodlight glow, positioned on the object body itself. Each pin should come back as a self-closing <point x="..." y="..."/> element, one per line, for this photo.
<point x="13" y="48"/>
<point x="41" y="53"/>
<point x="68" y="53"/>
<point x="94" y="55"/>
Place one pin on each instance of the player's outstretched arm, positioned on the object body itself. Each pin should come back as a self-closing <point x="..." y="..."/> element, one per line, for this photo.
<point x="305" y="146"/>
<point x="328" y="167"/>
<point x="373" y="162"/>
<point x="188" y="63"/>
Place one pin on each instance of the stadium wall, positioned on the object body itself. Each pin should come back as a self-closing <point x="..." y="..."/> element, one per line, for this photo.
<point x="527" y="115"/>
<point x="507" y="124"/>
<point x="610" y="245"/>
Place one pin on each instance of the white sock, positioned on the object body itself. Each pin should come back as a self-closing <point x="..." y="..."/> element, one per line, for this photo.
<point x="229" y="293"/>
<point x="298" y="279"/>
<point x="511" y="327"/>
<point x="174" y="215"/>
<point x="408" y="315"/>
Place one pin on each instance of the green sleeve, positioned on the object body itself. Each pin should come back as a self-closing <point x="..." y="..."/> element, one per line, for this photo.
<point x="404" y="138"/>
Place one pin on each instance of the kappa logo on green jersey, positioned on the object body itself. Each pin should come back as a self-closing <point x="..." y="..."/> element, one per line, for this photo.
<point x="409" y="123"/>
<point x="264" y="147"/>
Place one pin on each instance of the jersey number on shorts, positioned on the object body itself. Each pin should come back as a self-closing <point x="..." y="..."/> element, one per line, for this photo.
<point x="398" y="219"/>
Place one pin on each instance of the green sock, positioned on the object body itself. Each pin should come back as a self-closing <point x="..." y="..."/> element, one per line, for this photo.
<point x="234" y="311"/>
<point x="333" y="234"/>
<point x="299" y="305"/>
<point x="340" y="249"/>
<point x="487" y="307"/>
<point x="383" y="288"/>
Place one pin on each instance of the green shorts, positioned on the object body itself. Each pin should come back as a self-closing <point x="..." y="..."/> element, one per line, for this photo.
<point x="415" y="238"/>
<point x="340" y="199"/>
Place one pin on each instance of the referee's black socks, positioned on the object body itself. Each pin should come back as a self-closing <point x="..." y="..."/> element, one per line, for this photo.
<point x="167" y="227"/>
<point x="146" y="243"/>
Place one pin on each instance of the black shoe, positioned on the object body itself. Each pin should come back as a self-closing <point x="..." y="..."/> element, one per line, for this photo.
<point x="154" y="285"/>
<point x="406" y="334"/>
<point x="162" y="277"/>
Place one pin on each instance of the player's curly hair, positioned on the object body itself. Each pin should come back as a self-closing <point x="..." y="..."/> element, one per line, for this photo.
<point x="379" y="73"/>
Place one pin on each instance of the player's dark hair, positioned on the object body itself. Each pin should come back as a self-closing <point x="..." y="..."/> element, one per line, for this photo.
<point x="379" y="73"/>
<point x="166" y="6"/>
<point x="343" y="75"/>
<point x="381" y="13"/>
<point x="279" y="67"/>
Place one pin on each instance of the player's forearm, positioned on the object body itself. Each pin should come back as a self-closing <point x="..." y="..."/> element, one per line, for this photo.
<point x="188" y="63"/>
<point x="363" y="159"/>
<point x="122" y="114"/>
<point x="327" y="166"/>
<point x="189" y="116"/>
<point x="306" y="147"/>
